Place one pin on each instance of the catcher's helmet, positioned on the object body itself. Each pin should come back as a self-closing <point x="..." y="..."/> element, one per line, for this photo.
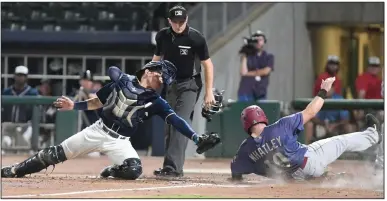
<point x="252" y="115"/>
<point x="165" y="67"/>
<point x="87" y="75"/>
<point x="255" y="35"/>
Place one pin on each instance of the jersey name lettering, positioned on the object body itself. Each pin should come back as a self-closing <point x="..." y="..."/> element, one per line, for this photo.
<point x="265" y="149"/>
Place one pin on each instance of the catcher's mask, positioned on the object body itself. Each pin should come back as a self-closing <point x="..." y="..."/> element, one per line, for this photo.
<point x="164" y="67"/>
<point x="215" y="107"/>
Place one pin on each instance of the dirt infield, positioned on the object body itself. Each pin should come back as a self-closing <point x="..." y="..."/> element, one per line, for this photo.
<point x="207" y="178"/>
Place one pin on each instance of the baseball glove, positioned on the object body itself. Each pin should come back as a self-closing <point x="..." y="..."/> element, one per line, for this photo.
<point x="207" y="142"/>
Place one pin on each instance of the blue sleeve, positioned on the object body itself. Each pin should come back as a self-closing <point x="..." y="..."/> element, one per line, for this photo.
<point x="7" y="92"/>
<point x="270" y="61"/>
<point x="104" y="92"/>
<point x="293" y="123"/>
<point x="33" y="92"/>
<point x="115" y="73"/>
<point x="164" y="110"/>
<point x="320" y="115"/>
<point x="344" y="115"/>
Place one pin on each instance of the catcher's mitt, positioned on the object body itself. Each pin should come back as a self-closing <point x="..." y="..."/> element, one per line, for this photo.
<point x="207" y="141"/>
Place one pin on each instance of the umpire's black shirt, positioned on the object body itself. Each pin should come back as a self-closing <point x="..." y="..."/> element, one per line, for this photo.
<point x="182" y="50"/>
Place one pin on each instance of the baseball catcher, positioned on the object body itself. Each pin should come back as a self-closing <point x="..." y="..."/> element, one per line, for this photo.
<point x="272" y="150"/>
<point x="122" y="104"/>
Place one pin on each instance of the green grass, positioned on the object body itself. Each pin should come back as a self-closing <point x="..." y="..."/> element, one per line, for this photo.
<point x="178" y="196"/>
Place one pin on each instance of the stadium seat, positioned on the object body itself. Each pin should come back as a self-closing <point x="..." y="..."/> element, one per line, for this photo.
<point x="85" y="16"/>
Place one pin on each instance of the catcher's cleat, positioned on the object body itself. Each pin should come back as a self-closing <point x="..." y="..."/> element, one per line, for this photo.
<point x="106" y="172"/>
<point x="6" y="172"/>
<point x="372" y="121"/>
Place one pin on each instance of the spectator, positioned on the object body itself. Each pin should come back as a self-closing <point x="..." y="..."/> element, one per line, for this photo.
<point x="332" y="122"/>
<point x="48" y="114"/>
<point x="86" y="92"/>
<point x="331" y="69"/>
<point x="256" y="66"/>
<point x="368" y="85"/>
<point x="19" y="113"/>
<point x="97" y="85"/>
<point x="16" y="133"/>
<point x="45" y="90"/>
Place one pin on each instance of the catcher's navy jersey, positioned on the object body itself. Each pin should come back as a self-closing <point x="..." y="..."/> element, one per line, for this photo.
<point x="126" y="104"/>
<point x="276" y="150"/>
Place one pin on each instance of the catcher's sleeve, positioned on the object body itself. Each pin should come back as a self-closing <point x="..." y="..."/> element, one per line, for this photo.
<point x="165" y="111"/>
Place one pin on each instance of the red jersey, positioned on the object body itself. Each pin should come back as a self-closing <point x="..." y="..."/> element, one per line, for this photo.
<point x="323" y="76"/>
<point x="371" y="84"/>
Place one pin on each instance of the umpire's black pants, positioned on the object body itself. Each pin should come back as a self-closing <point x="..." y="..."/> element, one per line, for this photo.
<point x="182" y="96"/>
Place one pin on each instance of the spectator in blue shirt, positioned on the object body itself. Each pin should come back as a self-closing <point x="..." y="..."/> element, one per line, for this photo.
<point x="333" y="122"/>
<point x="18" y="113"/>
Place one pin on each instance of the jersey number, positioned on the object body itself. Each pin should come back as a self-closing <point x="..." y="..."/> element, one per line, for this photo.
<point x="279" y="161"/>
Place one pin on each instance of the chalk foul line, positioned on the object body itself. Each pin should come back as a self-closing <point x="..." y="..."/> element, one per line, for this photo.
<point x="127" y="189"/>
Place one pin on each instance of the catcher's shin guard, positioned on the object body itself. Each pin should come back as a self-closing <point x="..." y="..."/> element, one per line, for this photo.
<point x="130" y="169"/>
<point x="41" y="160"/>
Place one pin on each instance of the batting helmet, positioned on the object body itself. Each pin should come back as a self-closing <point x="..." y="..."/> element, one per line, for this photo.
<point x="165" y="67"/>
<point x="255" y="35"/>
<point x="252" y="115"/>
<point x="87" y="75"/>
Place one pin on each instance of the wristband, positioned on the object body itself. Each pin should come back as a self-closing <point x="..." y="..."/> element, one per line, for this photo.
<point x="80" y="105"/>
<point x="195" y="138"/>
<point x="322" y="93"/>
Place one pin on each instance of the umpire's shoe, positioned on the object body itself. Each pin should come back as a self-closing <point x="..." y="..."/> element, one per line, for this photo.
<point x="167" y="172"/>
<point x="372" y="121"/>
<point x="6" y="172"/>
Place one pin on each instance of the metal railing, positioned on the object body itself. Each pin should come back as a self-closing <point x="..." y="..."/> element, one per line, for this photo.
<point x="64" y="62"/>
<point x="15" y="133"/>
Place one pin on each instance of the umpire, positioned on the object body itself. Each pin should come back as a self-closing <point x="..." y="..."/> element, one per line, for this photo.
<point x="187" y="49"/>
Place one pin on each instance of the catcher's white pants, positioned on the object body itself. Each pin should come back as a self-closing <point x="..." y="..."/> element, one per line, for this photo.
<point x="323" y="152"/>
<point x="94" y="139"/>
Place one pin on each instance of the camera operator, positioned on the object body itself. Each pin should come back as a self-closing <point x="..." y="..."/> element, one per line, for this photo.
<point x="256" y="66"/>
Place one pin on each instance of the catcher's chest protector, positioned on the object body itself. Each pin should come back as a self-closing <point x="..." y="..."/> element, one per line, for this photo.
<point x="126" y="104"/>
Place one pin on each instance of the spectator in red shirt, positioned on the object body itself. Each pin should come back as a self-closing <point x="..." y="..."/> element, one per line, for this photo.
<point x="369" y="85"/>
<point x="331" y="69"/>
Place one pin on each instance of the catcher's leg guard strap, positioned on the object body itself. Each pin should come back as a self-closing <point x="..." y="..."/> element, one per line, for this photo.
<point x="41" y="160"/>
<point x="130" y="169"/>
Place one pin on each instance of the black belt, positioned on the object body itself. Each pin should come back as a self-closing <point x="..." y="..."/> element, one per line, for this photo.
<point x="113" y="133"/>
